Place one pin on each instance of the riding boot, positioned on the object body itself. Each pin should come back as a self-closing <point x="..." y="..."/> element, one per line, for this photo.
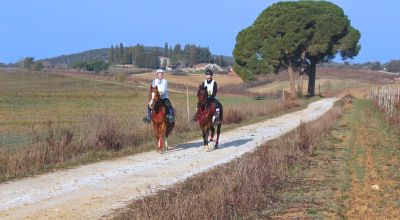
<point x="147" y="119"/>
<point x="170" y="116"/>
<point x="216" y="118"/>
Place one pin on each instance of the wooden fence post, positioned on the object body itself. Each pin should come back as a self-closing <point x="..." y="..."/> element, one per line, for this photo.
<point x="187" y="102"/>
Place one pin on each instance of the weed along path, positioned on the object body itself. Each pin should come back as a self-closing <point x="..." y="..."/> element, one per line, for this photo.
<point x="90" y="191"/>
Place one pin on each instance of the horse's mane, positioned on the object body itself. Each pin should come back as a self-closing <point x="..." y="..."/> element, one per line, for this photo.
<point x="201" y="89"/>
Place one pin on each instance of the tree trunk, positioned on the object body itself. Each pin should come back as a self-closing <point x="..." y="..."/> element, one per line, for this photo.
<point x="300" y="84"/>
<point x="301" y="74"/>
<point x="292" y="86"/>
<point x="311" y="77"/>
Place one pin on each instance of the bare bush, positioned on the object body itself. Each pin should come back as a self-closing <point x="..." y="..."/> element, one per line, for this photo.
<point x="234" y="115"/>
<point x="101" y="131"/>
<point x="52" y="145"/>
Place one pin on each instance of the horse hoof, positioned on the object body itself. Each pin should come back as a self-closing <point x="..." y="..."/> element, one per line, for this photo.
<point x="210" y="146"/>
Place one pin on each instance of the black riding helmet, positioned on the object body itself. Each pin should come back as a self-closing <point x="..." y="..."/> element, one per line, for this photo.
<point x="208" y="72"/>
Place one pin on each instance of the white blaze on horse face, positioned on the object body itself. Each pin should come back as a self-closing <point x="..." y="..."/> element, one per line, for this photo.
<point x="152" y="100"/>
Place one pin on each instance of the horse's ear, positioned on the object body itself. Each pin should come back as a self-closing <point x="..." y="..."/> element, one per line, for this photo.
<point x="200" y="86"/>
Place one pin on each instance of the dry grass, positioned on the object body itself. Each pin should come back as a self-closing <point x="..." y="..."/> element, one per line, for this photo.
<point x="323" y="87"/>
<point x="52" y="145"/>
<point x="240" y="189"/>
<point x="236" y="114"/>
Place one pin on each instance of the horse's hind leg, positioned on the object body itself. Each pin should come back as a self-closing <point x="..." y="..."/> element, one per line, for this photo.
<point x="218" y="132"/>
<point x="170" y="126"/>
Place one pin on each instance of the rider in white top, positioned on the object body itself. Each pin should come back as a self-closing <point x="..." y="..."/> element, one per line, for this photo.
<point x="162" y="86"/>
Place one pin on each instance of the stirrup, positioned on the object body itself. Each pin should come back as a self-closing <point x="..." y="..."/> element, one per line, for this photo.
<point x="216" y="120"/>
<point x="170" y="118"/>
<point x="147" y="120"/>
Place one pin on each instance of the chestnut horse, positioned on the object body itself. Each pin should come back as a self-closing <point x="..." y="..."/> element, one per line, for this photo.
<point x="205" y="113"/>
<point x="162" y="127"/>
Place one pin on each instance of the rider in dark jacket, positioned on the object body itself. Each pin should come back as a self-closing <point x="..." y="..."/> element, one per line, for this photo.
<point x="212" y="88"/>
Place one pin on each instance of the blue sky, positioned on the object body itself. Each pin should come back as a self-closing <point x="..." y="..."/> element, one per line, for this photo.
<point x="47" y="28"/>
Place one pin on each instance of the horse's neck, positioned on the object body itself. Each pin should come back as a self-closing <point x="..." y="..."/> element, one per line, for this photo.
<point x="206" y="108"/>
<point x="158" y="106"/>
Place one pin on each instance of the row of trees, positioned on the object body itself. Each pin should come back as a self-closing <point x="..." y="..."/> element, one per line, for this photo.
<point x="392" y="66"/>
<point x="136" y="55"/>
<point x="294" y="36"/>
<point x="93" y="66"/>
<point x="148" y="57"/>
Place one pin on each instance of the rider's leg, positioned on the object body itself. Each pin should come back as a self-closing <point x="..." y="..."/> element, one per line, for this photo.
<point x="216" y="118"/>
<point x="147" y="119"/>
<point x="170" y="110"/>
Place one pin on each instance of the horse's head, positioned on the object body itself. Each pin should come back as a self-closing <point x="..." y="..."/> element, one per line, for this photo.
<point x="202" y="94"/>
<point x="155" y="96"/>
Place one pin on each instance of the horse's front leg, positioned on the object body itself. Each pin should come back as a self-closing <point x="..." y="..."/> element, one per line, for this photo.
<point x="205" y="138"/>
<point x="212" y="133"/>
<point x="158" y="133"/>
<point x="218" y="132"/>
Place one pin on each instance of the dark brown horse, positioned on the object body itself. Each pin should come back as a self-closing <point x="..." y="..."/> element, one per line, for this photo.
<point x="205" y="113"/>
<point x="162" y="127"/>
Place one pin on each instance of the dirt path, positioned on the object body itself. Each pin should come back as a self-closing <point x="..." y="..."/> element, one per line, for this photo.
<point x="90" y="191"/>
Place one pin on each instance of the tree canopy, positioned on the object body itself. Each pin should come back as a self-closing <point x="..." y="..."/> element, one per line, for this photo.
<point x="28" y="63"/>
<point x="394" y="66"/>
<point x="290" y="35"/>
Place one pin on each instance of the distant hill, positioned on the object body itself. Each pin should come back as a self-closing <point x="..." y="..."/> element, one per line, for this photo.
<point x="88" y="55"/>
<point x="93" y="55"/>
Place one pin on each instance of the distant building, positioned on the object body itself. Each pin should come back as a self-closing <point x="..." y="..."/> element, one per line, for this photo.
<point x="203" y="66"/>
<point x="164" y="59"/>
